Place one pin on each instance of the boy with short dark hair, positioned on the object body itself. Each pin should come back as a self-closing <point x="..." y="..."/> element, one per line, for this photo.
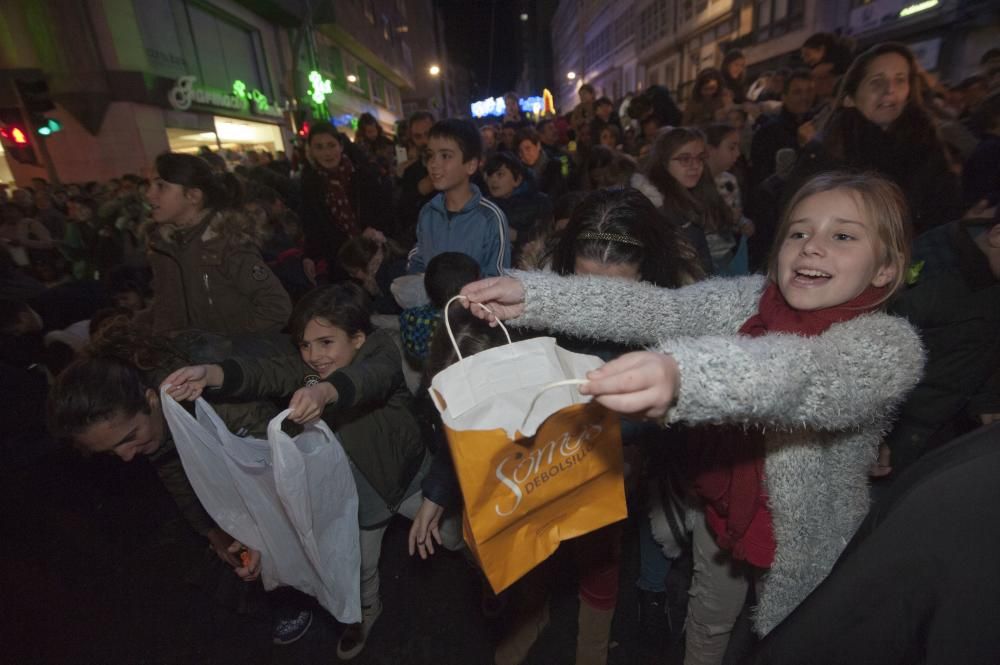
<point x="549" y="174"/>
<point x="513" y="189"/>
<point x="459" y="218"/>
<point x="446" y="274"/>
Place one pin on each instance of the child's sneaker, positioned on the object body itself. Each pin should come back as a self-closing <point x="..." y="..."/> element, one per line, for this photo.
<point x="353" y="639"/>
<point x="290" y="629"/>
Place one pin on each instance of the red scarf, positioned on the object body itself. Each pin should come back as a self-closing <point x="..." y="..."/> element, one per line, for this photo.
<point x="338" y="200"/>
<point x="729" y="461"/>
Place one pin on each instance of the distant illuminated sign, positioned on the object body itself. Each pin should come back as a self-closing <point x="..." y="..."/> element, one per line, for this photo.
<point x="238" y="98"/>
<point x="917" y="8"/>
<point x="345" y="120"/>
<point x="548" y="105"/>
<point x="496" y="106"/>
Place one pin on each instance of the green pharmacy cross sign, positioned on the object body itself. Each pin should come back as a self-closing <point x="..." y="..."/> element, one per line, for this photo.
<point x="321" y="87"/>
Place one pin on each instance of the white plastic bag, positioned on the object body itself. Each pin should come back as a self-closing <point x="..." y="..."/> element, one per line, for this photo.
<point x="409" y="291"/>
<point x="294" y="499"/>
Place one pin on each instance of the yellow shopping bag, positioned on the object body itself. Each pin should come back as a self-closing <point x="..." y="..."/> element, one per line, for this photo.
<point x="537" y="462"/>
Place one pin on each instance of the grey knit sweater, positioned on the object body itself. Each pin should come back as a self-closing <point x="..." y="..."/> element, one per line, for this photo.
<point x="824" y="402"/>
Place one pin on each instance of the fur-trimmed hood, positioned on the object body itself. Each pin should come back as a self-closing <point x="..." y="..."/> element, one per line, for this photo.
<point x="228" y="228"/>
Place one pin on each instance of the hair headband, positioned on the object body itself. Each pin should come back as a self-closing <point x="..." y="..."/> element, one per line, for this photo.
<point x="610" y="237"/>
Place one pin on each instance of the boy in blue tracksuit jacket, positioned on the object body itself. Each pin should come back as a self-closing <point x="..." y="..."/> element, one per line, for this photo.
<point x="459" y="218"/>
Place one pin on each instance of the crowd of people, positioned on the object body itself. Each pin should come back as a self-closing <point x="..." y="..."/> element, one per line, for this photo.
<point x="799" y="274"/>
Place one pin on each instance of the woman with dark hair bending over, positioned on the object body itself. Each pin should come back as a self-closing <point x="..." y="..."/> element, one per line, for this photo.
<point x="207" y="271"/>
<point x="107" y="402"/>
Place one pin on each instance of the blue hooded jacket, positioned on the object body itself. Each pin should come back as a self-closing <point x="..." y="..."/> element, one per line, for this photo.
<point x="479" y="229"/>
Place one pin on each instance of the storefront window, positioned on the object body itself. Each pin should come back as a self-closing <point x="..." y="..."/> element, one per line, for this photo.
<point x="776" y="17"/>
<point x="331" y="62"/>
<point x="184" y="39"/>
<point x="161" y="37"/>
<point x="231" y="134"/>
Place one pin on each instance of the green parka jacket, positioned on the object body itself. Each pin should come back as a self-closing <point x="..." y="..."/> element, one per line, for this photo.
<point x="371" y="417"/>
<point x="212" y="277"/>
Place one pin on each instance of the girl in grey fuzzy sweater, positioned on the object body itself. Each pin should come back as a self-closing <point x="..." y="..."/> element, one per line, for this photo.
<point x="822" y="401"/>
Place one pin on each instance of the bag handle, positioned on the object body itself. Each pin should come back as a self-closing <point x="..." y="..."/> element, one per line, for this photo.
<point x="554" y="384"/>
<point x="451" y="335"/>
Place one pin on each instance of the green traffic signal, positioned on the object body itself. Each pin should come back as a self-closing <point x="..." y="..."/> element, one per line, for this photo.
<point x="50" y="127"/>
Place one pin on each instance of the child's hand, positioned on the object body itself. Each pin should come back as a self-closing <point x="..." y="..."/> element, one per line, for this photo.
<point x="373" y="234"/>
<point x="642" y="383"/>
<point x="220" y="542"/>
<point x="503" y="295"/>
<point x="424" y="530"/>
<point x="308" y="403"/>
<point x="187" y="383"/>
<point x="248" y="567"/>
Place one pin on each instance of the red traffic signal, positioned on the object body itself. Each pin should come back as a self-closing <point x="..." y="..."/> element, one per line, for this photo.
<point x="14" y="135"/>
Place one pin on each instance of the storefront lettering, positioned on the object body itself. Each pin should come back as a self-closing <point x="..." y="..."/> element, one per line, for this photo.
<point x="185" y="92"/>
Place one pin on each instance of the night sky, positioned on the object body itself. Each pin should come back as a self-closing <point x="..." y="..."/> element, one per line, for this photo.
<point x="467" y="28"/>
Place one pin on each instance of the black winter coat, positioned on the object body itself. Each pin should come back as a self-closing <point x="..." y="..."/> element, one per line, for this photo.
<point x="920" y="169"/>
<point x="779" y="132"/>
<point x="918" y="583"/>
<point x="371" y="200"/>
<point x="955" y="304"/>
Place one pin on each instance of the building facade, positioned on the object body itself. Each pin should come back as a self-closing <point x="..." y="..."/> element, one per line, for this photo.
<point x="130" y="79"/>
<point x="948" y="36"/>
<point x="628" y="46"/>
<point x="567" y="52"/>
<point x="362" y="48"/>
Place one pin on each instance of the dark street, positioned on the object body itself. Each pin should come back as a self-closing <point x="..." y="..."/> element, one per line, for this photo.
<point x="98" y="567"/>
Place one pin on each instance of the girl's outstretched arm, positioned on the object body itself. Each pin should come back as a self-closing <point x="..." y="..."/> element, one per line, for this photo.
<point x="852" y="375"/>
<point x="634" y="312"/>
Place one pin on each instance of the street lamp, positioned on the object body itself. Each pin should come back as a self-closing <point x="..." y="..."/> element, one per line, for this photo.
<point x="434" y="70"/>
<point x="571" y="75"/>
<point x="524" y="17"/>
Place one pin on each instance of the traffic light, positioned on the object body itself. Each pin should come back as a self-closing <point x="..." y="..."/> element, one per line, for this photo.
<point x="48" y="126"/>
<point x="16" y="137"/>
<point x="301" y="122"/>
<point x="37" y="101"/>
